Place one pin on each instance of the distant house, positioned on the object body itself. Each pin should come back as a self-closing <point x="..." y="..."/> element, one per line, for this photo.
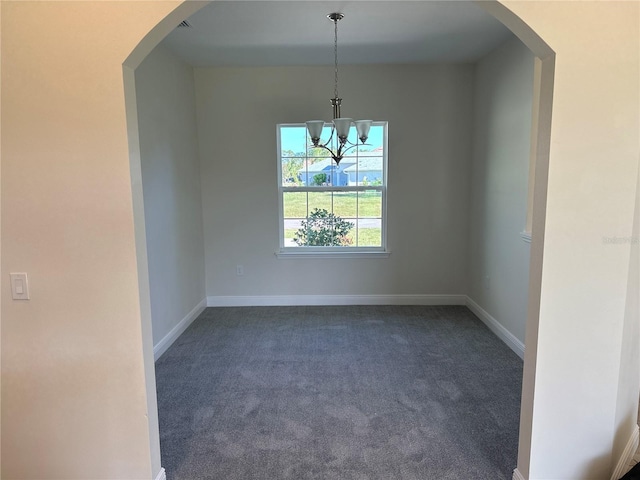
<point x="367" y="171"/>
<point x="336" y="175"/>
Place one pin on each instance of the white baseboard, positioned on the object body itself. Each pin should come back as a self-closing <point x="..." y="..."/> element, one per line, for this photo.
<point x="162" y="475"/>
<point x="300" y="300"/>
<point x="176" y="331"/>
<point x="517" y="475"/>
<point x="297" y="300"/>
<point x="496" y="327"/>
<point x="627" y="455"/>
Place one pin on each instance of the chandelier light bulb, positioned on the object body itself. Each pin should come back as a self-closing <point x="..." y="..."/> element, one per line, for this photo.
<point x="315" y="130"/>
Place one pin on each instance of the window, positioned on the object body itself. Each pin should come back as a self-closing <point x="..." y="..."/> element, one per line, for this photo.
<point x="327" y="208"/>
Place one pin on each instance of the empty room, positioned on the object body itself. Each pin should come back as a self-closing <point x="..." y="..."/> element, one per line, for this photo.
<point x="340" y="280"/>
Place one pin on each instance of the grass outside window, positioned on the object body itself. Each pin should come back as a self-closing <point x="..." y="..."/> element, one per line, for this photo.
<point x="366" y="204"/>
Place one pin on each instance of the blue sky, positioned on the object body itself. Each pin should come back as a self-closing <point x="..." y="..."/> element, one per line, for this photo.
<point x="294" y="138"/>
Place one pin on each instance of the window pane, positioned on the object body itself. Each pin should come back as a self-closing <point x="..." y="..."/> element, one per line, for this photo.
<point x="293" y="141"/>
<point x="332" y="174"/>
<point x="368" y="171"/>
<point x="370" y="204"/>
<point x="295" y="209"/>
<point x="293" y="172"/>
<point x="363" y="171"/>
<point x="317" y="152"/>
<point x="345" y="204"/>
<point x="294" y="204"/>
<point x="322" y="172"/>
<point x="375" y="140"/>
<point x="290" y="229"/>
<point x="321" y="201"/>
<point x="374" y="146"/>
<point x="369" y="232"/>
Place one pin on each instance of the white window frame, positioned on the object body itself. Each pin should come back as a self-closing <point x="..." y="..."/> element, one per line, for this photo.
<point x="333" y="252"/>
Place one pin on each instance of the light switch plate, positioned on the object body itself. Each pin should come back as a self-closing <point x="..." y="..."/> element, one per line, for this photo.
<point x="19" y="286"/>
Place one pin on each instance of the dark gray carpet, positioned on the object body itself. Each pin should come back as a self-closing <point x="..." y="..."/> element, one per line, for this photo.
<point x="343" y="393"/>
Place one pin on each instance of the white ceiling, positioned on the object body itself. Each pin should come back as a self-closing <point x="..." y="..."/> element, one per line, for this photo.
<point x="262" y="33"/>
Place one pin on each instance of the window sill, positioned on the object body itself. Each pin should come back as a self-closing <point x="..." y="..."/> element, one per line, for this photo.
<point x="318" y="254"/>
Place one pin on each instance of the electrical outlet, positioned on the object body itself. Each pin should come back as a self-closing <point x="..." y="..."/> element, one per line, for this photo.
<point x="239" y="270"/>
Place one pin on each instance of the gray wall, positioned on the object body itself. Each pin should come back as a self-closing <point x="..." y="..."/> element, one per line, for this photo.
<point x="457" y="197"/>
<point x="171" y="186"/>
<point x="498" y="256"/>
<point x="429" y="109"/>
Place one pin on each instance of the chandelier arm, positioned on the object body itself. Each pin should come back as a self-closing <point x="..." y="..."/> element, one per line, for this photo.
<point x="352" y="146"/>
<point x="333" y="155"/>
<point x="343" y="148"/>
<point x="336" y="156"/>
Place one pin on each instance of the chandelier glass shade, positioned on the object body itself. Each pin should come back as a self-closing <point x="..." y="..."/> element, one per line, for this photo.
<point x="341" y="126"/>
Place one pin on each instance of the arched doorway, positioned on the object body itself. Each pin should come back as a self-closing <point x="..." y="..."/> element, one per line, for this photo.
<point x="146" y="45"/>
<point x="540" y="138"/>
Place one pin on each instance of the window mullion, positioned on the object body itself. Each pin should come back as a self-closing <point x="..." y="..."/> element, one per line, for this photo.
<point x="333" y="189"/>
<point x="357" y="219"/>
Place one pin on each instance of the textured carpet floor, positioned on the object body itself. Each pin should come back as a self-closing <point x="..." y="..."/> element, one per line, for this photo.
<point x="367" y="392"/>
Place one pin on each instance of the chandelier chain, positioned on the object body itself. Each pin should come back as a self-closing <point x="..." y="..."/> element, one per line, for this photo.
<point x="340" y="126"/>
<point x="335" y="56"/>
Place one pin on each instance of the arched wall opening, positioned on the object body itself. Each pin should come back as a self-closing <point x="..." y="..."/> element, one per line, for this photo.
<point x="544" y="64"/>
<point x="146" y="45"/>
<point x="538" y="178"/>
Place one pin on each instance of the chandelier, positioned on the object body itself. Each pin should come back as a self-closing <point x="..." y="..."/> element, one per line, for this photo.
<point x="340" y="126"/>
